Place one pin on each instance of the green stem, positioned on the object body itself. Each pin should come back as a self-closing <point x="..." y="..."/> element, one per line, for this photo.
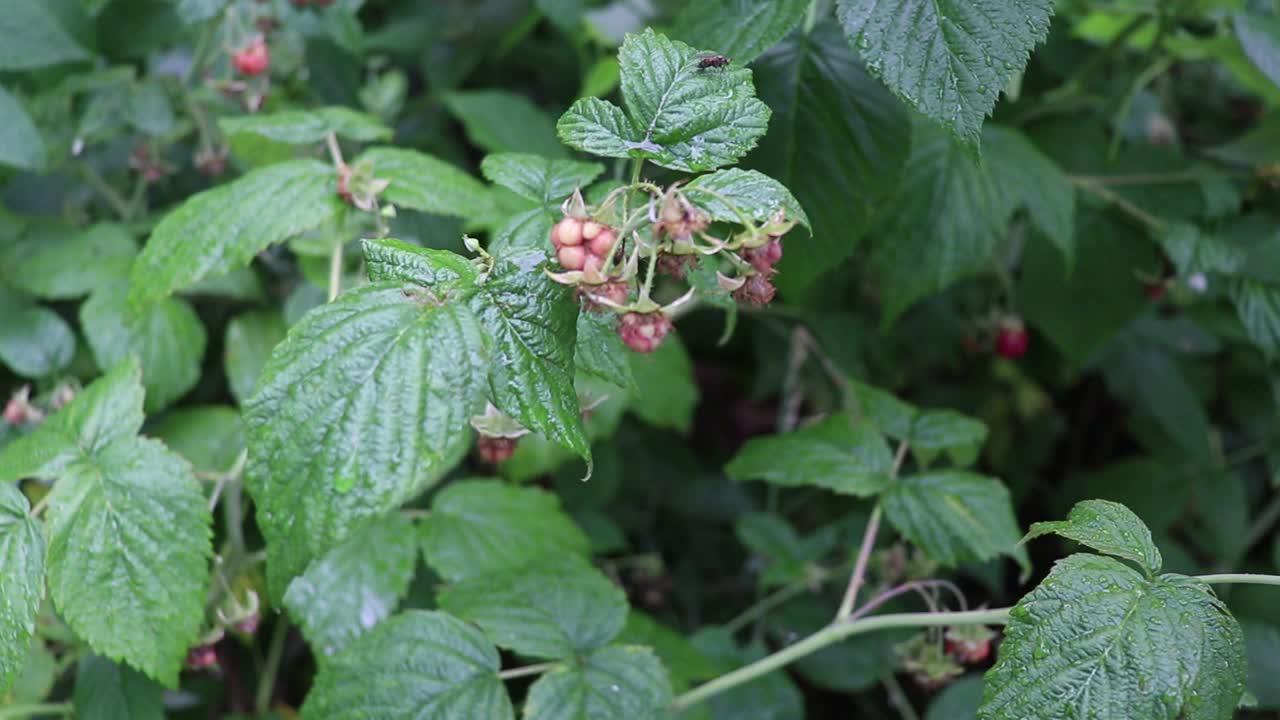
<point x="275" y="653"/>
<point x="764" y="605"/>
<point x="113" y="197"/>
<point x="1240" y="579"/>
<point x="860" y="568"/>
<point x="1102" y="56"/>
<point x="898" y="698"/>
<point x="527" y="670"/>
<point x="335" y="271"/>
<point x="13" y="712"/>
<point x="1262" y="524"/>
<point x="1121" y="203"/>
<point x="811" y="17"/>
<point x="831" y="634"/>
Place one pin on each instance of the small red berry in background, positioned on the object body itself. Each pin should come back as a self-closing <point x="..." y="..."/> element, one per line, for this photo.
<point x="253" y="59"/>
<point x="1012" y="340"/>
<point x="1155" y="290"/>
<point x="970" y="644"/>
<point x="15" y="411"/>
<point x="494" y="450"/>
<point x="643" y="332"/>
<point x="202" y="657"/>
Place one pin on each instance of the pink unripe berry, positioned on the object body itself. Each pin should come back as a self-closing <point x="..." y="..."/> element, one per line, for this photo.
<point x="494" y="450"/>
<point x="591" y="228"/>
<point x="764" y="257"/>
<point x="643" y="332"/>
<point x="592" y="265"/>
<point x="571" y="257"/>
<point x="603" y="243"/>
<point x="567" y="232"/>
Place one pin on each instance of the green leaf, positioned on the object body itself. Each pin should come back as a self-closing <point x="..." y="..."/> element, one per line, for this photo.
<point x="665" y="394"/>
<point x="556" y="608"/>
<point x="210" y="437"/>
<point x="1107" y="527"/>
<point x="680" y="116"/>
<point x="486" y="526"/>
<point x="34" y="38"/>
<point x="301" y="127"/>
<point x="772" y="696"/>
<point x="949" y="59"/>
<point x="502" y="121"/>
<point x="840" y="453"/>
<point x="740" y="29"/>
<point x="619" y="681"/>
<point x="1258" y="305"/>
<point x="823" y="98"/>
<point x="220" y="229"/>
<point x="1260" y="37"/>
<point x="757" y="195"/>
<point x="149" y="110"/>
<point x="955" y="516"/>
<point x="396" y="260"/>
<point x="129" y="543"/>
<point x="1192" y="251"/>
<point x="250" y="338"/>
<point x="546" y="181"/>
<point x="35" y="341"/>
<point x="165" y="334"/>
<point x="893" y="416"/>
<point x="788" y="556"/>
<point x="416" y="666"/>
<point x="349" y="589"/>
<point x="1150" y="378"/>
<point x="108" y="691"/>
<point x="1096" y="636"/>
<point x="1035" y="182"/>
<point x="958" y="701"/>
<point x="684" y="663"/>
<point x="60" y="265"/>
<point x="946" y="431"/>
<point x="424" y="183"/>
<point x="600" y="352"/>
<point x="20" y="143"/>
<point x="21" y="584"/>
<point x="1263" y="645"/>
<point x="364" y="404"/>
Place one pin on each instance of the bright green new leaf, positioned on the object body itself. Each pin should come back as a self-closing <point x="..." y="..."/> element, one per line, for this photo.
<point x="485" y="526"/>
<point x="250" y="338"/>
<point x="1107" y="527"/>
<point x="165" y="334"/>
<point x="34" y="38"/>
<point x="416" y="666"/>
<point x="1096" y="638"/>
<point x="108" y="691"/>
<point x="840" y="453"/>
<point x="60" y="263"/>
<point x="301" y="127"/>
<point x="364" y="404"/>
<point x="223" y="228"/>
<point x="20" y="143"/>
<point x="949" y="59"/>
<point x="21" y="583"/>
<point x="546" y="181"/>
<point x="35" y="341"/>
<point x="678" y="115"/>
<point x="620" y="681"/>
<point x="740" y="29"/>
<point x="355" y="585"/>
<point x="502" y="121"/>
<point x="756" y="195"/>
<point x="955" y="516"/>
<point x="556" y="608"/>
<point x="424" y="183"/>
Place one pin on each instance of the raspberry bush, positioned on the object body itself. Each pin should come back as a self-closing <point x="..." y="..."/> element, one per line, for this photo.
<point x="378" y="359"/>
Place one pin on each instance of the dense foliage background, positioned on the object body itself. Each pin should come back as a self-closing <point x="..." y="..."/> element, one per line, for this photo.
<point x="1081" y="296"/>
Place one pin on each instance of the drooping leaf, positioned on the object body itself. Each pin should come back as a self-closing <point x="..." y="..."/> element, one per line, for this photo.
<point x="679" y="116"/>
<point x="165" y="334"/>
<point x="619" y="681"/>
<point x="1036" y="183"/>
<point x="955" y="516"/>
<point x="822" y="98"/>
<point x="220" y="229"/>
<point x="1107" y="527"/>
<point x="364" y="404"/>
<point x="60" y="264"/>
<point x="34" y="37"/>
<point x="740" y="29"/>
<point x="34" y="341"/>
<point x="949" y="59"/>
<point x="503" y="121"/>
<point x="546" y="181"/>
<point x="755" y="194"/>
<point x="839" y="453"/>
<point x="556" y="608"/>
<point x="108" y="691"/>
<point x="250" y="338"/>
<point x="300" y="127"/>
<point x="483" y="526"/>
<point x="1096" y="637"/>
<point x="21" y="583"/>
<point x="20" y="143"/>
<point x="355" y="585"/>
<point x="424" y="183"/>
<point x="665" y="394"/>
<point x="416" y="666"/>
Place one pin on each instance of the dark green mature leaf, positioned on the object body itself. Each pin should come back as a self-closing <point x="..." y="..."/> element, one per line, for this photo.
<point x="355" y="585"/>
<point x="1107" y="527"/>
<point x="21" y="583"/>
<point x="755" y="194"/>
<point x="34" y="341"/>
<point x="1035" y="182"/>
<point x="250" y="338"/>
<point x="1260" y="38"/>
<point x="210" y="437"/>
<point x="740" y="29"/>
<point x="958" y="701"/>
<point x="533" y="321"/>
<point x="362" y="406"/>
<point x="556" y="608"/>
<point x="955" y="516"/>
<point x="34" y="37"/>
<point x="301" y="127"/>
<point x="822" y="98"/>
<point x="108" y="691"/>
<point x="546" y="181"/>
<point x="1263" y="645"/>
<point x="600" y="352"/>
<point x="620" y="681"/>
<point x="502" y="121"/>
<point x="840" y="453"/>
<point x="485" y="526"/>
<point x="1096" y="637"/>
<point x="1150" y="377"/>
<point x="20" y="143"/>
<point x="223" y="228"/>
<point x="1258" y="305"/>
<point x="772" y="696"/>
<point x="949" y="59"/>
<point x="165" y="334"/>
<point x="1191" y="250"/>
<point x="60" y="264"/>
<point x="681" y="117"/>
<point x="416" y="666"/>
<point x="424" y="183"/>
<point x="665" y="394"/>
<point x="684" y="662"/>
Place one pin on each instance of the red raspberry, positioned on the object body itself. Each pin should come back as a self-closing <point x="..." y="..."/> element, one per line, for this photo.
<point x="1013" y="340"/>
<point x="643" y="332"/>
<point x="567" y="232"/>
<point x="757" y="290"/>
<point x="572" y="257"/>
<point x="202" y="657"/>
<point x="969" y="653"/>
<point x="1155" y="290"/>
<point x="494" y="450"/>
<point x="253" y="59"/>
<point x="764" y="257"/>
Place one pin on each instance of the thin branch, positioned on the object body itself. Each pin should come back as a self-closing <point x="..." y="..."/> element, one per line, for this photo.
<point x="868" y="542"/>
<point x="898" y="698"/>
<point x="1240" y="579"/>
<point x="527" y="670"/>
<point x="1120" y="202"/>
<point x="335" y="271"/>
